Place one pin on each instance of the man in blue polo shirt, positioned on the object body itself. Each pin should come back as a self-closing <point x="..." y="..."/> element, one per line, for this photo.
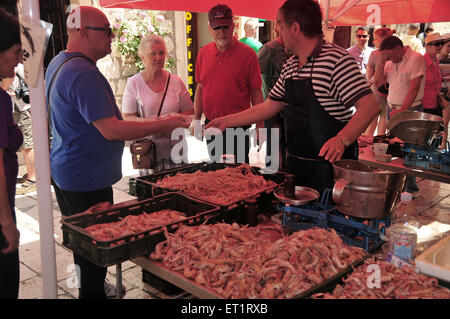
<point x="87" y="129"/>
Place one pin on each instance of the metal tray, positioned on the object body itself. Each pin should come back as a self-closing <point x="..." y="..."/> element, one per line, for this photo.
<point x="329" y="285"/>
<point x="107" y="253"/>
<point x="147" y="184"/>
<point x="199" y="291"/>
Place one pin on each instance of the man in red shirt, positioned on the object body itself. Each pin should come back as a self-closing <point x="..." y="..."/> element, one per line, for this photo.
<point x="228" y="81"/>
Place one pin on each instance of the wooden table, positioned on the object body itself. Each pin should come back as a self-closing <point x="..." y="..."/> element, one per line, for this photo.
<point x="367" y="156"/>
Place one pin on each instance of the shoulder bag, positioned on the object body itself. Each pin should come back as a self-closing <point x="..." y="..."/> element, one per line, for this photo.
<point x="143" y="151"/>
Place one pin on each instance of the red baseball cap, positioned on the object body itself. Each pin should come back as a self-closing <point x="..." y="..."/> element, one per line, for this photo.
<point x="220" y="16"/>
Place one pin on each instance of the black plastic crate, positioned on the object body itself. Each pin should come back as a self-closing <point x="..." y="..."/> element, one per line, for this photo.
<point x="147" y="184"/>
<point x="107" y="253"/>
<point x="144" y="190"/>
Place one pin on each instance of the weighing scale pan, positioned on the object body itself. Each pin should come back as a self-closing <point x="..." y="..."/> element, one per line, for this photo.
<point x="415" y="127"/>
<point x="303" y="195"/>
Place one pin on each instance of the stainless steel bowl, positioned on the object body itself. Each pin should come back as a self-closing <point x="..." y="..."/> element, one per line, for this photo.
<point x="415" y="127"/>
<point x="362" y="191"/>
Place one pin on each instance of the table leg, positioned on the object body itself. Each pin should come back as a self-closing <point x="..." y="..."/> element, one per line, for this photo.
<point x="119" y="280"/>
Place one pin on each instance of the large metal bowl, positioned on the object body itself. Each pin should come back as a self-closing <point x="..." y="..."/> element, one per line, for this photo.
<point x="366" y="192"/>
<point x="415" y="127"/>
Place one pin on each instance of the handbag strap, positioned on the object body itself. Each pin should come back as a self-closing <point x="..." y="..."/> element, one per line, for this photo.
<point x="164" y="96"/>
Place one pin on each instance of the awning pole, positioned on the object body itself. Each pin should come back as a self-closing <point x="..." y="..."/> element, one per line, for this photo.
<point x="30" y="8"/>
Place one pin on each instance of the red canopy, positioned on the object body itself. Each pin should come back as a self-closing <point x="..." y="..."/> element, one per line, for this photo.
<point x="341" y="12"/>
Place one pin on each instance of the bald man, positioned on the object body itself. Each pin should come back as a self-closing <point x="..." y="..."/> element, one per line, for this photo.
<point x="87" y="128"/>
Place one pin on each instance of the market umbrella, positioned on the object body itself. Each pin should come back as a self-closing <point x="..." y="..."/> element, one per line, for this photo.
<point x="336" y="12"/>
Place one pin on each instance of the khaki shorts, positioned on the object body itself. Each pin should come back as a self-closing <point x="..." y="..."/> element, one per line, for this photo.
<point x="382" y="104"/>
<point x="381" y="100"/>
<point x="23" y="120"/>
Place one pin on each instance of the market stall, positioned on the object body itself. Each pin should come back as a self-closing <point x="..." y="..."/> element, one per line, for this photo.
<point x="309" y="251"/>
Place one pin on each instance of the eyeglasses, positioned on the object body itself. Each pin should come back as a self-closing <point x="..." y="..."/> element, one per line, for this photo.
<point x="108" y="30"/>
<point x="437" y="44"/>
<point x="223" y="27"/>
<point x="362" y="36"/>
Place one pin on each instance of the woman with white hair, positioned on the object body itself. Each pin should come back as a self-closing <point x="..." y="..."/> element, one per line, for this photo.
<point x="144" y="93"/>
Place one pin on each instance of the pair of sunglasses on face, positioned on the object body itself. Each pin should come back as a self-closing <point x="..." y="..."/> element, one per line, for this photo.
<point x="437" y="43"/>
<point x="108" y="30"/>
<point x="224" y="27"/>
<point x="362" y="36"/>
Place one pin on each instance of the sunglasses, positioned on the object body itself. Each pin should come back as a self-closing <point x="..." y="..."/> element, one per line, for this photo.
<point x="224" y="27"/>
<point x="437" y="44"/>
<point x="108" y="30"/>
<point x="362" y="36"/>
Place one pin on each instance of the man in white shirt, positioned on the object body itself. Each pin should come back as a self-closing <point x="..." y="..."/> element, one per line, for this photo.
<point x="405" y="71"/>
<point x="360" y="51"/>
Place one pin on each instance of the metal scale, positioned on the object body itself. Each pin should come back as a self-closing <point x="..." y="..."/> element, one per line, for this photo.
<point x="428" y="157"/>
<point x="421" y="136"/>
<point x="300" y="215"/>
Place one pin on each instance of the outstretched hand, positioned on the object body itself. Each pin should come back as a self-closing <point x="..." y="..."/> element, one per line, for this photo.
<point x="186" y="118"/>
<point x="332" y="150"/>
<point x="182" y="119"/>
<point x="218" y="123"/>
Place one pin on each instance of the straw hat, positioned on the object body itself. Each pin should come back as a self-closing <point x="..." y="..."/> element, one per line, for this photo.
<point x="433" y="37"/>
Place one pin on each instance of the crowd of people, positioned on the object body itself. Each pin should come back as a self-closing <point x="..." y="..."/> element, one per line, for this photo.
<point x="309" y="88"/>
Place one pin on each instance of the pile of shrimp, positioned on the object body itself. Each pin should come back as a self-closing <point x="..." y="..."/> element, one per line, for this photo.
<point x="382" y="280"/>
<point x="222" y="187"/>
<point x="245" y="262"/>
<point x="134" y="224"/>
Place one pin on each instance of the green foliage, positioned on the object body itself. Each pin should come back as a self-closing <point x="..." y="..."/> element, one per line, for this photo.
<point x="129" y="34"/>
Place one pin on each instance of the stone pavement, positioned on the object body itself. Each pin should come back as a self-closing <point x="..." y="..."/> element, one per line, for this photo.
<point x="432" y="203"/>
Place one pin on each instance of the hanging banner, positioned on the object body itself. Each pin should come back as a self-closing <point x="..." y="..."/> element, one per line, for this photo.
<point x="34" y="40"/>
<point x="190" y="52"/>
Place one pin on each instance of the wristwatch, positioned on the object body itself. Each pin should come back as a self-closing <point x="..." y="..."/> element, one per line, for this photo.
<point x="345" y="140"/>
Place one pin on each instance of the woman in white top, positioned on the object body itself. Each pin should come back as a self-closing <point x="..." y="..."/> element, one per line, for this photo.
<point x="144" y="92"/>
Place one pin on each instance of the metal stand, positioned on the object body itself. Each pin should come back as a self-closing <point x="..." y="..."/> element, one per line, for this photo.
<point x="119" y="280"/>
